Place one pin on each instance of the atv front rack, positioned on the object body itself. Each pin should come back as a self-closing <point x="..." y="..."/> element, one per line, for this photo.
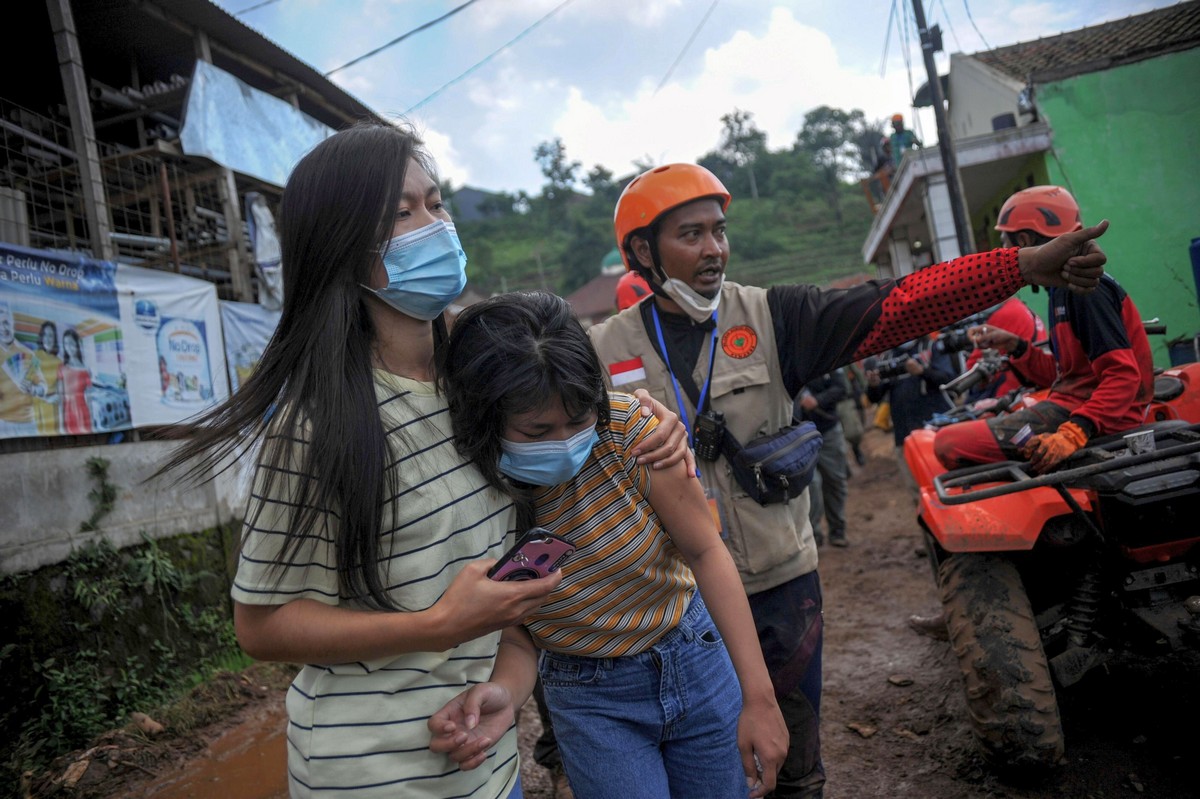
<point x="1172" y="441"/>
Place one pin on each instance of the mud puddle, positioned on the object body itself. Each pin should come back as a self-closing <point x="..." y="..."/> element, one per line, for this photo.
<point x="248" y="761"/>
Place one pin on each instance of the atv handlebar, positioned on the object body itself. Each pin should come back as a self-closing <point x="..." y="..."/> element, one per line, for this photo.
<point x="1015" y="476"/>
<point x="982" y="371"/>
<point x="966" y="381"/>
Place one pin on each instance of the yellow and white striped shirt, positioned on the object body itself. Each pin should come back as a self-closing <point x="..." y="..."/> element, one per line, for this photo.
<point x="626" y="585"/>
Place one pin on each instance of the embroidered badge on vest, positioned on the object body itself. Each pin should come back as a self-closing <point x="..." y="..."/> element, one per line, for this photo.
<point x="624" y="372"/>
<point x="739" y="342"/>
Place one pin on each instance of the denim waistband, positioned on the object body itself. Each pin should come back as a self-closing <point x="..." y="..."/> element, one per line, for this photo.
<point x="683" y="631"/>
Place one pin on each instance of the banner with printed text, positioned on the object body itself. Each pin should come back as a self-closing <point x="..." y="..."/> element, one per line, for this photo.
<point x="247" y="327"/>
<point x="173" y="343"/>
<point x="90" y="346"/>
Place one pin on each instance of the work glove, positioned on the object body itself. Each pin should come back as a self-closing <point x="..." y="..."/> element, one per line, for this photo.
<point x="1047" y="450"/>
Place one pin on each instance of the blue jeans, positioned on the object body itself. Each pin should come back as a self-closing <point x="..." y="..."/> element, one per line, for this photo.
<point x="652" y="725"/>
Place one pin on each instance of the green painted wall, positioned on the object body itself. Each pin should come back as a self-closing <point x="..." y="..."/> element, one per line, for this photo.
<point x="1125" y="143"/>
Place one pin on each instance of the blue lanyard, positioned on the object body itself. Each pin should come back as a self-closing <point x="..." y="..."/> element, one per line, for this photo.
<point x="712" y="351"/>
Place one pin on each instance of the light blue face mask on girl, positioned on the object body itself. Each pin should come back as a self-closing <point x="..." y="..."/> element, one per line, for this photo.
<point x="426" y="269"/>
<point x="547" y="463"/>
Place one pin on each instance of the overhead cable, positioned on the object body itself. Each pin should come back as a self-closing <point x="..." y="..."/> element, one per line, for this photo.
<point x="905" y="18"/>
<point x="489" y="56"/>
<point x="967" y="6"/>
<point x="686" y="45"/>
<point x="254" y="7"/>
<point x="950" y="22"/>
<point x="401" y="38"/>
<point x="887" y="40"/>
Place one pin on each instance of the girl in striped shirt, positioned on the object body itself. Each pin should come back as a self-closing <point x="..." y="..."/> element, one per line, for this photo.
<point x="649" y="659"/>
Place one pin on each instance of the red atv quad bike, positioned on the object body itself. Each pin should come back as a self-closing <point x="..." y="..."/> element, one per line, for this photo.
<point x="1043" y="578"/>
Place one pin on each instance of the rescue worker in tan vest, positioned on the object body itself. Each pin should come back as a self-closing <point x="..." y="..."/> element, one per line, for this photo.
<point x="740" y="354"/>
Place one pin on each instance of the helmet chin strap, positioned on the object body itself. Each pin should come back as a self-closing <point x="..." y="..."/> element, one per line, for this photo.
<point x="654" y="274"/>
<point x="697" y="307"/>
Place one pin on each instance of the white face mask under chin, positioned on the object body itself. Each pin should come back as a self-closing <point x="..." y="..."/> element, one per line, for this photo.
<point x="698" y="307"/>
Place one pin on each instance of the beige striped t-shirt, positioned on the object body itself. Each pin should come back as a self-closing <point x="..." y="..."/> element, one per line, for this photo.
<point x="359" y="729"/>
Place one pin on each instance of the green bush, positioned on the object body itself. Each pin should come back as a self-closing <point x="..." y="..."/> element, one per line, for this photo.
<point x="106" y="633"/>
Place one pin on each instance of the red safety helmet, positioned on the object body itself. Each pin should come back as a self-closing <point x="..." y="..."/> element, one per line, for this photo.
<point x="654" y="192"/>
<point x="630" y="290"/>
<point x="1048" y="210"/>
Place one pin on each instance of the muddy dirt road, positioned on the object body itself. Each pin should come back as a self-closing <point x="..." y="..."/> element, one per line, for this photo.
<point x="892" y="714"/>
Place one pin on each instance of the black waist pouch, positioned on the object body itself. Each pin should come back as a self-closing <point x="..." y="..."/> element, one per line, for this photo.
<point x="777" y="467"/>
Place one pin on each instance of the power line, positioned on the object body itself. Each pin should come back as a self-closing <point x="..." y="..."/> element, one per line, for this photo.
<point x="688" y="44"/>
<point x="950" y="22"/>
<point x="967" y="6"/>
<point x="400" y="38"/>
<point x="254" y="7"/>
<point x="905" y="16"/>
<point x="887" y="40"/>
<point x="903" y="31"/>
<point x="489" y="56"/>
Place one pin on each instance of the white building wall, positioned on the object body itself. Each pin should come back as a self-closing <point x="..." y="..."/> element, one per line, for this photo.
<point x="978" y="93"/>
<point x="900" y="250"/>
<point x="45" y="499"/>
<point x="940" y="218"/>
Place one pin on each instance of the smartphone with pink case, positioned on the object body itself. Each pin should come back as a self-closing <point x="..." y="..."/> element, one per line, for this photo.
<point x="537" y="553"/>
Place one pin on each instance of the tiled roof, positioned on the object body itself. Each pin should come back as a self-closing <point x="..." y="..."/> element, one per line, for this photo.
<point x="596" y="298"/>
<point x="1098" y="47"/>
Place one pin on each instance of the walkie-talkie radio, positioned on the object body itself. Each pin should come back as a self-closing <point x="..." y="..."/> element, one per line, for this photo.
<point x="710" y="431"/>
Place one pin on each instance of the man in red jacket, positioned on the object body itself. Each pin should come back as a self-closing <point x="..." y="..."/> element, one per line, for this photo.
<point x="1099" y="370"/>
<point x="1014" y="316"/>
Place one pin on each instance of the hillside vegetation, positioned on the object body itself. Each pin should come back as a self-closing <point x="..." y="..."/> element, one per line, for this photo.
<point x="798" y="214"/>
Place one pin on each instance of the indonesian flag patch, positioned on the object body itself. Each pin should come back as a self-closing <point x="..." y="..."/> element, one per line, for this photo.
<point x="624" y="372"/>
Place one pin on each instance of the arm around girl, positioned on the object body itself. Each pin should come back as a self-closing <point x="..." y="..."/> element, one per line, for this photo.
<point x="649" y="659"/>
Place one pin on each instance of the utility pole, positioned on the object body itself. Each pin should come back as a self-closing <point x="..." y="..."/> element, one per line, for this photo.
<point x="962" y="228"/>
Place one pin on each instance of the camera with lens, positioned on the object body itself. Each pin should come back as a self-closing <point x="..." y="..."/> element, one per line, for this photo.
<point x="891" y="368"/>
<point x="956" y="340"/>
<point x="710" y="432"/>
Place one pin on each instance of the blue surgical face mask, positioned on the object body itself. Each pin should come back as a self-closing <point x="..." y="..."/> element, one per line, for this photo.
<point x="426" y="269"/>
<point x="547" y="463"/>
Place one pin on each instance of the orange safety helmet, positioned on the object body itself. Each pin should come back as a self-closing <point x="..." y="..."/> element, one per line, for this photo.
<point x="630" y="290"/>
<point x="897" y="117"/>
<point x="656" y="191"/>
<point x="1048" y="210"/>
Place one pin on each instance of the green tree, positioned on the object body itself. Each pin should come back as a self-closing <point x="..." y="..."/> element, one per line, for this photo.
<point x="561" y="176"/>
<point x="867" y="139"/>
<point x="601" y="184"/>
<point x="736" y="180"/>
<point x="742" y="143"/>
<point x="828" y="136"/>
<point x="792" y="175"/>
<point x="644" y="164"/>
<point x="498" y="204"/>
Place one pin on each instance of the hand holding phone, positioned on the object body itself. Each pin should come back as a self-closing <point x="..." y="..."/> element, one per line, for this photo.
<point x="537" y="553"/>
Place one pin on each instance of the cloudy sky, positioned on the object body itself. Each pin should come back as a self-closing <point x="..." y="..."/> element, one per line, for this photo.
<point x="621" y="81"/>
